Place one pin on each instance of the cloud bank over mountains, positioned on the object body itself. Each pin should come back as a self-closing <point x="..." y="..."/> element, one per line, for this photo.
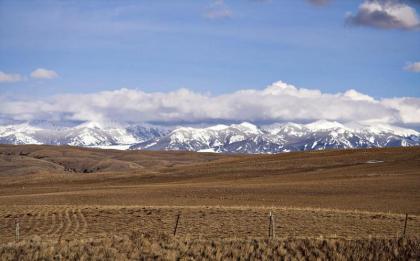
<point x="277" y="102"/>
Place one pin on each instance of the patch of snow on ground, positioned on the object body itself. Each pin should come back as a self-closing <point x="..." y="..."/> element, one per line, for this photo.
<point x="208" y="150"/>
<point x="112" y="147"/>
<point x="374" y="161"/>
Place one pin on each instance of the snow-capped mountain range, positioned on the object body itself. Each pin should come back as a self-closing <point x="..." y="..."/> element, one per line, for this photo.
<point x="235" y="138"/>
<point x="90" y="134"/>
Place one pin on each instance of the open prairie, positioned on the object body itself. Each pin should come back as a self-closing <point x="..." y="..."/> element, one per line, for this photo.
<point x="382" y="180"/>
<point x="64" y="193"/>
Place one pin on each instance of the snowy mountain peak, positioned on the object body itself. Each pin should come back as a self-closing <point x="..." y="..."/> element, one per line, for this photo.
<point x="85" y="134"/>
<point x="325" y="125"/>
<point x="23" y="127"/>
<point x="384" y="128"/>
<point x="292" y="125"/>
<point x="236" y="138"/>
<point x="249" y="138"/>
<point x="284" y="127"/>
<point x="247" y="127"/>
<point x="18" y="134"/>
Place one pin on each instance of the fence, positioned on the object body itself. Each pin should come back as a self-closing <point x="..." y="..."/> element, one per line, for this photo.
<point x="76" y="222"/>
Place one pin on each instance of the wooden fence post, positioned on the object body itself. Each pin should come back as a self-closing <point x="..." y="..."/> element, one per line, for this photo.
<point x="176" y="223"/>
<point x="271" y="230"/>
<point x="405" y="224"/>
<point x="17" y="230"/>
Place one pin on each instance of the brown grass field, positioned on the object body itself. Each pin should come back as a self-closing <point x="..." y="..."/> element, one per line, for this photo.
<point x="327" y="204"/>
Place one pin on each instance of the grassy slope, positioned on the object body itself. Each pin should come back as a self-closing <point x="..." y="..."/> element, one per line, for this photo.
<point x="323" y="179"/>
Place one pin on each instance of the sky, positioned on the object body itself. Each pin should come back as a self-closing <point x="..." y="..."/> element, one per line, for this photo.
<point x="209" y="60"/>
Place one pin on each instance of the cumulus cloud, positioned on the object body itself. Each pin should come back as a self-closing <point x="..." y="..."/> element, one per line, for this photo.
<point x="385" y="14"/>
<point x="9" y="77"/>
<point x="42" y="73"/>
<point x="408" y="108"/>
<point x="277" y="102"/>
<point x="413" y="67"/>
<point x="357" y="96"/>
<point x="217" y="10"/>
<point x="319" y="2"/>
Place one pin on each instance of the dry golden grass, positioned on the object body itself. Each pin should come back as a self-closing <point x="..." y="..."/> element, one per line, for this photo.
<point x="84" y="222"/>
<point x="138" y="246"/>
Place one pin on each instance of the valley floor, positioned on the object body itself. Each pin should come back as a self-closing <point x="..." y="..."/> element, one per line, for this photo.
<point x="63" y="193"/>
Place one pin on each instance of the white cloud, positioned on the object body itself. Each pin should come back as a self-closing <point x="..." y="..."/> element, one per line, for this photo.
<point x="385" y="14"/>
<point x="357" y="96"/>
<point x="42" y="73"/>
<point x="408" y="108"/>
<point x="413" y="67"/>
<point x="9" y="77"/>
<point x="217" y="10"/>
<point x="277" y="102"/>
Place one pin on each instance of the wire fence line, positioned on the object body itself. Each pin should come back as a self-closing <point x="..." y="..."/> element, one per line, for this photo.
<point x="79" y="223"/>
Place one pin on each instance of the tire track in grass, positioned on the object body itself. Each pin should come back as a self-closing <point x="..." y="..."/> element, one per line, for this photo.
<point x="68" y="223"/>
<point x="42" y="220"/>
<point x="84" y="224"/>
<point x="60" y="220"/>
<point x="49" y="226"/>
<point x="76" y="222"/>
<point x="53" y="224"/>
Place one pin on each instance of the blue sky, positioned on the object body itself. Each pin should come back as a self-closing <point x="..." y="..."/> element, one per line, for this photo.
<point x="214" y="48"/>
<point x="166" y="45"/>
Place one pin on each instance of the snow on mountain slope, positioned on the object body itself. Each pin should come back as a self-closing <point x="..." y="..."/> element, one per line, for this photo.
<point x="289" y="129"/>
<point x="235" y="138"/>
<point x="85" y="134"/>
<point x="324" y="125"/>
<point x="248" y="138"/>
<point x="247" y="128"/>
<point x="96" y="134"/>
<point x="18" y="134"/>
<point x="198" y="139"/>
<point x="383" y="128"/>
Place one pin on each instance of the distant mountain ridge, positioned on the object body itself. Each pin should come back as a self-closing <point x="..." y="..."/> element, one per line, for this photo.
<point x="235" y="138"/>
<point x="90" y="134"/>
<point x="248" y="138"/>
